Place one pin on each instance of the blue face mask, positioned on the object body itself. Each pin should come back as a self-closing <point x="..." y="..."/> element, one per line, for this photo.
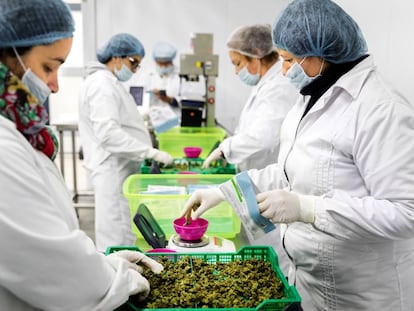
<point x="298" y="76"/>
<point x="165" y="71"/>
<point x="124" y="74"/>
<point x="247" y="77"/>
<point x="36" y="86"/>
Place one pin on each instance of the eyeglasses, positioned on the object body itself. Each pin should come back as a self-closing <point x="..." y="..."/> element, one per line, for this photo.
<point x="135" y="63"/>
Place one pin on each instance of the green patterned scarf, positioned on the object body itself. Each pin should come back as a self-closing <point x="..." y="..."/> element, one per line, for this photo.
<point x="19" y="106"/>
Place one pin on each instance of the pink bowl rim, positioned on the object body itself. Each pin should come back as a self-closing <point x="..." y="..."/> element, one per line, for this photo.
<point x="191" y="148"/>
<point x="182" y="219"/>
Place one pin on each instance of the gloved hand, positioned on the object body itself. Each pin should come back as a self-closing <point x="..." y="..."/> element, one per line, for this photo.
<point x="163" y="157"/>
<point x="202" y="200"/>
<point x="215" y="155"/>
<point x="134" y="258"/>
<point x="280" y="206"/>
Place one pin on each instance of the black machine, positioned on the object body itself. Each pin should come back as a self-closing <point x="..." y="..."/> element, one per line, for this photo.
<point x="192" y="113"/>
<point x="202" y="62"/>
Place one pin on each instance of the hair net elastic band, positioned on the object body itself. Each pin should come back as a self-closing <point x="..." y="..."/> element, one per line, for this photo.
<point x="38" y="40"/>
<point x="251" y="55"/>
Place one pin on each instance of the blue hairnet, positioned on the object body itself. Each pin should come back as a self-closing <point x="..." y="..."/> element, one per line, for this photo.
<point x="26" y="23"/>
<point x="122" y="44"/>
<point x="319" y="28"/>
<point x="254" y="41"/>
<point x="164" y="51"/>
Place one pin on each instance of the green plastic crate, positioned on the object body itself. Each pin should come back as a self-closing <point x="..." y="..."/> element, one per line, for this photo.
<point x="174" y="140"/>
<point x="190" y="165"/>
<point x="223" y="221"/>
<point x="265" y="253"/>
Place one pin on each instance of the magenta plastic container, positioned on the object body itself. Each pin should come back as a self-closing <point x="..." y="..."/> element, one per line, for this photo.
<point x="161" y="250"/>
<point x="194" y="231"/>
<point x="192" y="152"/>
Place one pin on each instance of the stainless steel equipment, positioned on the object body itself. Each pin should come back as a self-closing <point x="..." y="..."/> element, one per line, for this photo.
<point x="202" y="62"/>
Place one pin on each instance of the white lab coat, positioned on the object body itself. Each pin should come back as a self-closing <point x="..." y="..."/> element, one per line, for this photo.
<point x="174" y="87"/>
<point x="46" y="262"/>
<point x="255" y="142"/>
<point x="354" y="151"/>
<point x="115" y="140"/>
<point x="170" y="83"/>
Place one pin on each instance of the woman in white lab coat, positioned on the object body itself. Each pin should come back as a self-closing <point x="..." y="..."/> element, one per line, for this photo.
<point x="255" y="142"/>
<point x="164" y="81"/>
<point x="166" y="88"/>
<point x="343" y="185"/>
<point x="46" y="262"/>
<point x="114" y="137"/>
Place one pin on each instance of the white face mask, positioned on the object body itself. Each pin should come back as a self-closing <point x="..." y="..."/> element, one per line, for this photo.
<point x="298" y="76"/>
<point x="247" y="77"/>
<point x="36" y="86"/>
<point x="124" y="74"/>
<point x="165" y="71"/>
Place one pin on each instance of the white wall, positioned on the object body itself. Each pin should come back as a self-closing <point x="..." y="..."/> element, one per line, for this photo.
<point x="385" y="25"/>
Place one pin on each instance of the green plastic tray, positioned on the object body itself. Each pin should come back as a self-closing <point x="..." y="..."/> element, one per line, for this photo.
<point x="181" y="165"/>
<point x="265" y="253"/>
<point x="174" y="140"/>
<point x="223" y="220"/>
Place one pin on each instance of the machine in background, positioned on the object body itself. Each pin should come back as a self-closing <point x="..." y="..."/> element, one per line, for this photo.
<point x="204" y="63"/>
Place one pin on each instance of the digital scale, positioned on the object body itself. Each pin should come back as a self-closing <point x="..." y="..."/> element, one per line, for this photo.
<point x="154" y="236"/>
<point x="205" y="244"/>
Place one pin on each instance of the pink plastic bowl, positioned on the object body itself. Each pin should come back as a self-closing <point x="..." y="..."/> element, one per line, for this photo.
<point x="191" y="232"/>
<point x="192" y="152"/>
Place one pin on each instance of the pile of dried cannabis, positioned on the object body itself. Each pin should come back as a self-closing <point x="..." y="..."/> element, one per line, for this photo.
<point x="193" y="283"/>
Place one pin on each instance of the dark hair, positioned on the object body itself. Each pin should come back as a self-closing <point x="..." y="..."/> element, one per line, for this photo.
<point x="267" y="59"/>
<point x="9" y="52"/>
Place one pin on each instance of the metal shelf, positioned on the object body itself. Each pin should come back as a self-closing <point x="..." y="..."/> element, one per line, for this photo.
<point x="81" y="199"/>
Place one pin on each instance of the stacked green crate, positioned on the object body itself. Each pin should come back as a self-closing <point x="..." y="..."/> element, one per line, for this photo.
<point x="189" y="165"/>
<point x="165" y="207"/>
<point x="174" y="140"/>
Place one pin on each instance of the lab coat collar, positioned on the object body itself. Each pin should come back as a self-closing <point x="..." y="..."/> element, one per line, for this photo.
<point x="92" y="67"/>
<point x="353" y="81"/>
<point x="274" y="70"/>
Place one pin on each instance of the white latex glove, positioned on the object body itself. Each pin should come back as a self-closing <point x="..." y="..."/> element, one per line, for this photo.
<point x="202" y="200"/>
<point x="215" y="155"/>
<point x="280" y="206"/>
<point x="163" y="157"/>
<point x="134" y="260"/>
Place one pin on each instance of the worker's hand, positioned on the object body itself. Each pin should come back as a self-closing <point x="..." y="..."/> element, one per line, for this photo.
<point x="137" y="259"/>
<point x="202" y="200"/>
<point x="215" y="155"/>
<point x="163" y="157"/>
<point x="162" y="96"/>
<point x="280" y="206"/>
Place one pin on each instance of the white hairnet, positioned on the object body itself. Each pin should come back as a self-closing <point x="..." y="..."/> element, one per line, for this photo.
<point x="254" y="41"/>
<point x="26" y="23"/>
<point x="122" y="44"/>
<point x="319" y="28"/>
<point x="164" y="51"/>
